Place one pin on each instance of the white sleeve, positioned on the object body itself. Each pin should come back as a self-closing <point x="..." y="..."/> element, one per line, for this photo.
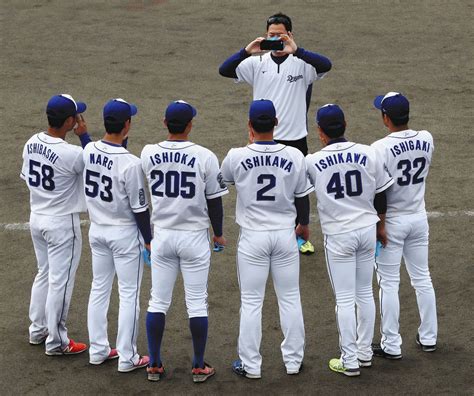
<point x="226" y="169"/>
<point x="245" y="70"/>
<point x="309" y="168"/>
<point x="304" y="185"/>
<point x="78" y="165"/>
<point x="215" y="186"/>
<point x="383" y="178"/>
<point x="135" y="187"/>
<point x="24" y="167"/>
<point x="310" y="73"/>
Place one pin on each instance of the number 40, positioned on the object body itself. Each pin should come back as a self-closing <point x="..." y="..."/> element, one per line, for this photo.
<point x="351" y="177"/>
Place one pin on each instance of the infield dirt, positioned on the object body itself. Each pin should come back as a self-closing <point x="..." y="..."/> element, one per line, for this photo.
<point x="152" y="52"/>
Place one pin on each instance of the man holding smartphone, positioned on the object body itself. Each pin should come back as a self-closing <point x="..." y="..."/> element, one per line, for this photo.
<point x="283" y="76"/>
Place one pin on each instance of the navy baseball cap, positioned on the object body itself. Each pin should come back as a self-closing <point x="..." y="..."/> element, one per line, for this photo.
<point x="262" y="110"/>
<point x="394" y="104"/>
<point x="63" y="106"/>
<point x="180" y="112"/>
<point x="118" y="110"/>
<point x="330" y="117"/>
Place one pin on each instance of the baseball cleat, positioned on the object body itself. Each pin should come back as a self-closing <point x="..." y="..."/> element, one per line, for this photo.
<point x="39" y="340"/>
<point x="239" y="369"/>
<point x="72" y="349"/>
<point x="337" y="366"/>
<point x="113" y="354"/>
<point x="425" y="348"/>
<point x="155" y="373"/>
<point x="142" y="362"/>
<point x="365" y="363"/>
<point x="378" y="351"/>
<point x="202" y="374"/>
<point x="305" y="247"/>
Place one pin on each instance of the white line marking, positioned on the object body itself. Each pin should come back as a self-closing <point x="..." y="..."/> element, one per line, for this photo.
<point x="431" y="215"/>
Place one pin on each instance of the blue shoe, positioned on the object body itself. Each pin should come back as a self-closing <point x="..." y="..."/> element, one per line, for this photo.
<point x="238" y="368"/>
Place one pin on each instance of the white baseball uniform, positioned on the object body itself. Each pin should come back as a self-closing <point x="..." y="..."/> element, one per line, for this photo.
<point x="114" y="187"/>
<point x="268" y="176"/>
<point x="181" y="176"/>
<point x="52" y="169"/>
<point x="346" y="177"/>
<point x="407" y="155"/>
<point x="285" y="85"/>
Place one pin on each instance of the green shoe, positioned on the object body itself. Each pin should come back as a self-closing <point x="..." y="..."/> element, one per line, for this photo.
<point x="307" y="248"/>
<point x="337" y="366"/>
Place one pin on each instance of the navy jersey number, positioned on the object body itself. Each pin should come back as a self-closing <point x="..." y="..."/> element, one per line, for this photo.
<point x="406" y="166"/>
<point x="92" y="188"/>
<point x="270" y="182"/>
<point x="41" y="175"/>
<point x="176" y="184"/>
<point x="353" y="184"/>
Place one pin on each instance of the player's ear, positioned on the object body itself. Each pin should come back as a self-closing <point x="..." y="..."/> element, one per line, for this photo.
<point x="165" y="123"/>
<point x="276" y="121"/>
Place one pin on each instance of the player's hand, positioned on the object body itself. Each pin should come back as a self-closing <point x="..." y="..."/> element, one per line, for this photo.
<point x="302" y="231"/>
<point x="219" y="243"/>
<point x="81" y="126"/>
<point x="254" y="46"/>
<point x="290" y="45"/>
<point x="382" y="234"/>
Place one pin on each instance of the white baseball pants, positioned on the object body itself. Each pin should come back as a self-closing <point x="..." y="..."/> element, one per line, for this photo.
<point x="115" y="250"/>
<point x="173" y="251"/>
<point x="407" y="238"/>
<point x="350" y="262"/>
<point x="261" y="252"/>
<point x="57" y="241"/>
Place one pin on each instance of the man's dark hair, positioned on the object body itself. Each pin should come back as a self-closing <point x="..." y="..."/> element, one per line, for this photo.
<point x="399" y="120"/>
<point x="262" y="126"/>
<point x="334" y="133"/>
<point x="280" y="18"/>
<point x="176" y="128"/>
<point x="114" y="127"/>
<point x="57" y="123"/>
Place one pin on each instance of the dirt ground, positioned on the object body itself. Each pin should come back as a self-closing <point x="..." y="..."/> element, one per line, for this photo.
<point x="151" y="52"/>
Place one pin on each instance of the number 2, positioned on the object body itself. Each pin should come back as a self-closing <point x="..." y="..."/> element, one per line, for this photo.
<point x="271" y="184"/>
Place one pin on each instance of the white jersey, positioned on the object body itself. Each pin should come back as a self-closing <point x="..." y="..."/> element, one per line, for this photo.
<point x="346" y="177"/>
<point x="52" y="169"/>
<point x="114" y="185"/>
<point x="285" y="85"/>
<point x="268" y="177"/>
<point x="407" y="155"/>
<point x="181" y="176"/>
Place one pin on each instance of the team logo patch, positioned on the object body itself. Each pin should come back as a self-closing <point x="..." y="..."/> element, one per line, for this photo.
<point x="292" y="79"/>
<point x="141" y="196"/>
<point x="220" y="180"/>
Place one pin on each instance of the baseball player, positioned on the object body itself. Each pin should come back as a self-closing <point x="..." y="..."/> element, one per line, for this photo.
<point x="286" y="78"/>
<point x="407" y="155"/>
<point x="114" y="188"/>
<point x="52" y="170"/>
<point x="186" y="189"/>
<point x="272" y="189"/>
<point x="348" y="177"/>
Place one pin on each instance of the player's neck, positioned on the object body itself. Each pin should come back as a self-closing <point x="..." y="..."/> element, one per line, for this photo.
<point x="115" y="138"/>
<point x="399" y="128"/>
<point x="178" y="136"/>
<point x="57" y="133"/>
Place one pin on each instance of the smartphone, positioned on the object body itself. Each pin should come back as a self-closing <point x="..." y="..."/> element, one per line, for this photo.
<point x="274" y="45"/>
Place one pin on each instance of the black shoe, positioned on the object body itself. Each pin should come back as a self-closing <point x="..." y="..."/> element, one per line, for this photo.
<point x="425" y="348"/>
<point x="365" y="363"/>
<point x="378" y="351"/>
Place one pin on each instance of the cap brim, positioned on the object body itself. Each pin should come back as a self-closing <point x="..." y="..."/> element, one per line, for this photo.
<point x="81" y="107"/>
<point x="133" y="109"/>
<point x="378" y="102"/>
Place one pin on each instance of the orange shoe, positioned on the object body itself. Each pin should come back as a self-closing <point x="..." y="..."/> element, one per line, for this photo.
<point x="72" y="349"/>
<point x="155" y="373"/>
<point x="202" y="374"/>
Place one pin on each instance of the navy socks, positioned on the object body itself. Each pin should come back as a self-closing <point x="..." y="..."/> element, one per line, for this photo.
<point x="155" y="327"/>
<point x="198" y="327"/>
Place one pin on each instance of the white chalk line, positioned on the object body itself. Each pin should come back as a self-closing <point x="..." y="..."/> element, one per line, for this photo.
<point x="431" y="215"/>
